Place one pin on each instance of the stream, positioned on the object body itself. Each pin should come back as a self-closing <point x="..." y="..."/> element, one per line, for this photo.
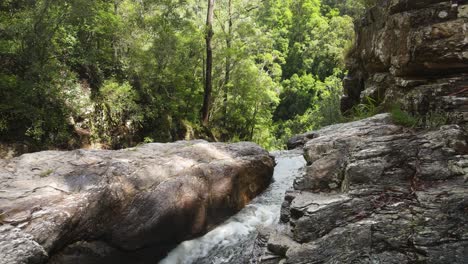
<point x="232" y="242"/>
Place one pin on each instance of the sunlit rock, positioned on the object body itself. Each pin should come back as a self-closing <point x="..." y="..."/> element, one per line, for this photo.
<point x="127" y="205"/>
<point x="376" y="192"/>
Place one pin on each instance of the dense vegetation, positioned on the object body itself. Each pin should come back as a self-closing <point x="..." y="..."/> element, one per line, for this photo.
<point x="120" y="72"/>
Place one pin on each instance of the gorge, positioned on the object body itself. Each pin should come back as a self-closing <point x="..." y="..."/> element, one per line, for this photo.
<point x="374" y="190"/>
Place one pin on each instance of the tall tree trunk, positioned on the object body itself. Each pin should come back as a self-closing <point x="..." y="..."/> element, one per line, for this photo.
<point x="227" y="77"/>
<point x="209" y="64"/>
<point x="114" y="37"/>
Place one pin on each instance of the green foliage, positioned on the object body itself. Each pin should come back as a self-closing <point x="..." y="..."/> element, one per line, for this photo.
<point x="431" y="120"/>
<point x="352" y="8"/>
<point x="318" y="34"/>
<point x="118" y="115"/>
<point x="297" y="96"/>
<point x="364" y="110"/>
<point x="403" y="118"/>
<point x="316" y="41"/>
<point x="329" y="105"/>
<point x="117" y="73"/>
<point x="323" y="111"/>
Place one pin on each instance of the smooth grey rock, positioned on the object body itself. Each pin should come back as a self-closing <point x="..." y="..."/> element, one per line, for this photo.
<point x="299" y="140"/>
<point x="279" y="244"/>
<point x="144" y="198"/>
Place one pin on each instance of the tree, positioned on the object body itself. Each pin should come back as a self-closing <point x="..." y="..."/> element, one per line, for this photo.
<point x="227" y="77"/>
<point x="209" y="64"/>
<point x="125" y="70"/>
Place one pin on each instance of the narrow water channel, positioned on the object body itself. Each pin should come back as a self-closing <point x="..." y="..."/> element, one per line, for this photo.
<point x="233" y="240"/>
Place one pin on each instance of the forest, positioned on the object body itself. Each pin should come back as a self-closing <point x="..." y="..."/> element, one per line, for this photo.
<point x="117" y="73"/>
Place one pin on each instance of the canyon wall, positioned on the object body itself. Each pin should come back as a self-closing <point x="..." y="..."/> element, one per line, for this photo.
<point x="413" y="53"/>
<point x="375" y="192"/>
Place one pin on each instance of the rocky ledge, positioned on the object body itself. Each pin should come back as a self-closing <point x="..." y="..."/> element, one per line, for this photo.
<point x="413" y="53"/>
<point x="122" y="206"/>
<point x="375" y="192"/>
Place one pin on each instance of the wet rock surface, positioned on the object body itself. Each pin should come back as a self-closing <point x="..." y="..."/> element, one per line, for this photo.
<point x="414" y="53"/>
<point x="375" y="192"/>
<point x="127" y="206"/>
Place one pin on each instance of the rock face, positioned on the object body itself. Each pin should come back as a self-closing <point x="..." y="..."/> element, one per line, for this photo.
<point x="414" y="53"/>
<point x="375" y="192"/>
<point x="122" y="206"/>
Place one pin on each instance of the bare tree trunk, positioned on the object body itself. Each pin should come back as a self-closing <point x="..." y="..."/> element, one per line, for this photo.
<point x="114" y="38"/>
<point x="227" y="77"/>
<point x="209" y="64"/>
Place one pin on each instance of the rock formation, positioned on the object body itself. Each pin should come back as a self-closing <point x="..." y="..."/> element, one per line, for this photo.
<point x="413" y="53"/>
<point x="122" y="206"/>
<point x="375" y="192"/>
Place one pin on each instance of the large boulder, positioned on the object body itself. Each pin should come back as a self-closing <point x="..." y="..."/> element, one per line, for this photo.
<point x="376" y="192"/>
<point x="414" y="53"/>
<point x="130" y="205"/>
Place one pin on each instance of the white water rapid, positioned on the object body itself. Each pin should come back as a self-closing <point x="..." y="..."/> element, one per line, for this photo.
<point x="231" y="241"/>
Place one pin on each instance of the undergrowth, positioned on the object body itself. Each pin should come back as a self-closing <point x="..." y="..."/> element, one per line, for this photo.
<point x="430" y="120"/>
<point x="403" y="118"/>
<point x="364" y="110"/>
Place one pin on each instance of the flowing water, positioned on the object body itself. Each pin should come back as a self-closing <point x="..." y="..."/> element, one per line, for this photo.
<point x="232" y="241"/>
